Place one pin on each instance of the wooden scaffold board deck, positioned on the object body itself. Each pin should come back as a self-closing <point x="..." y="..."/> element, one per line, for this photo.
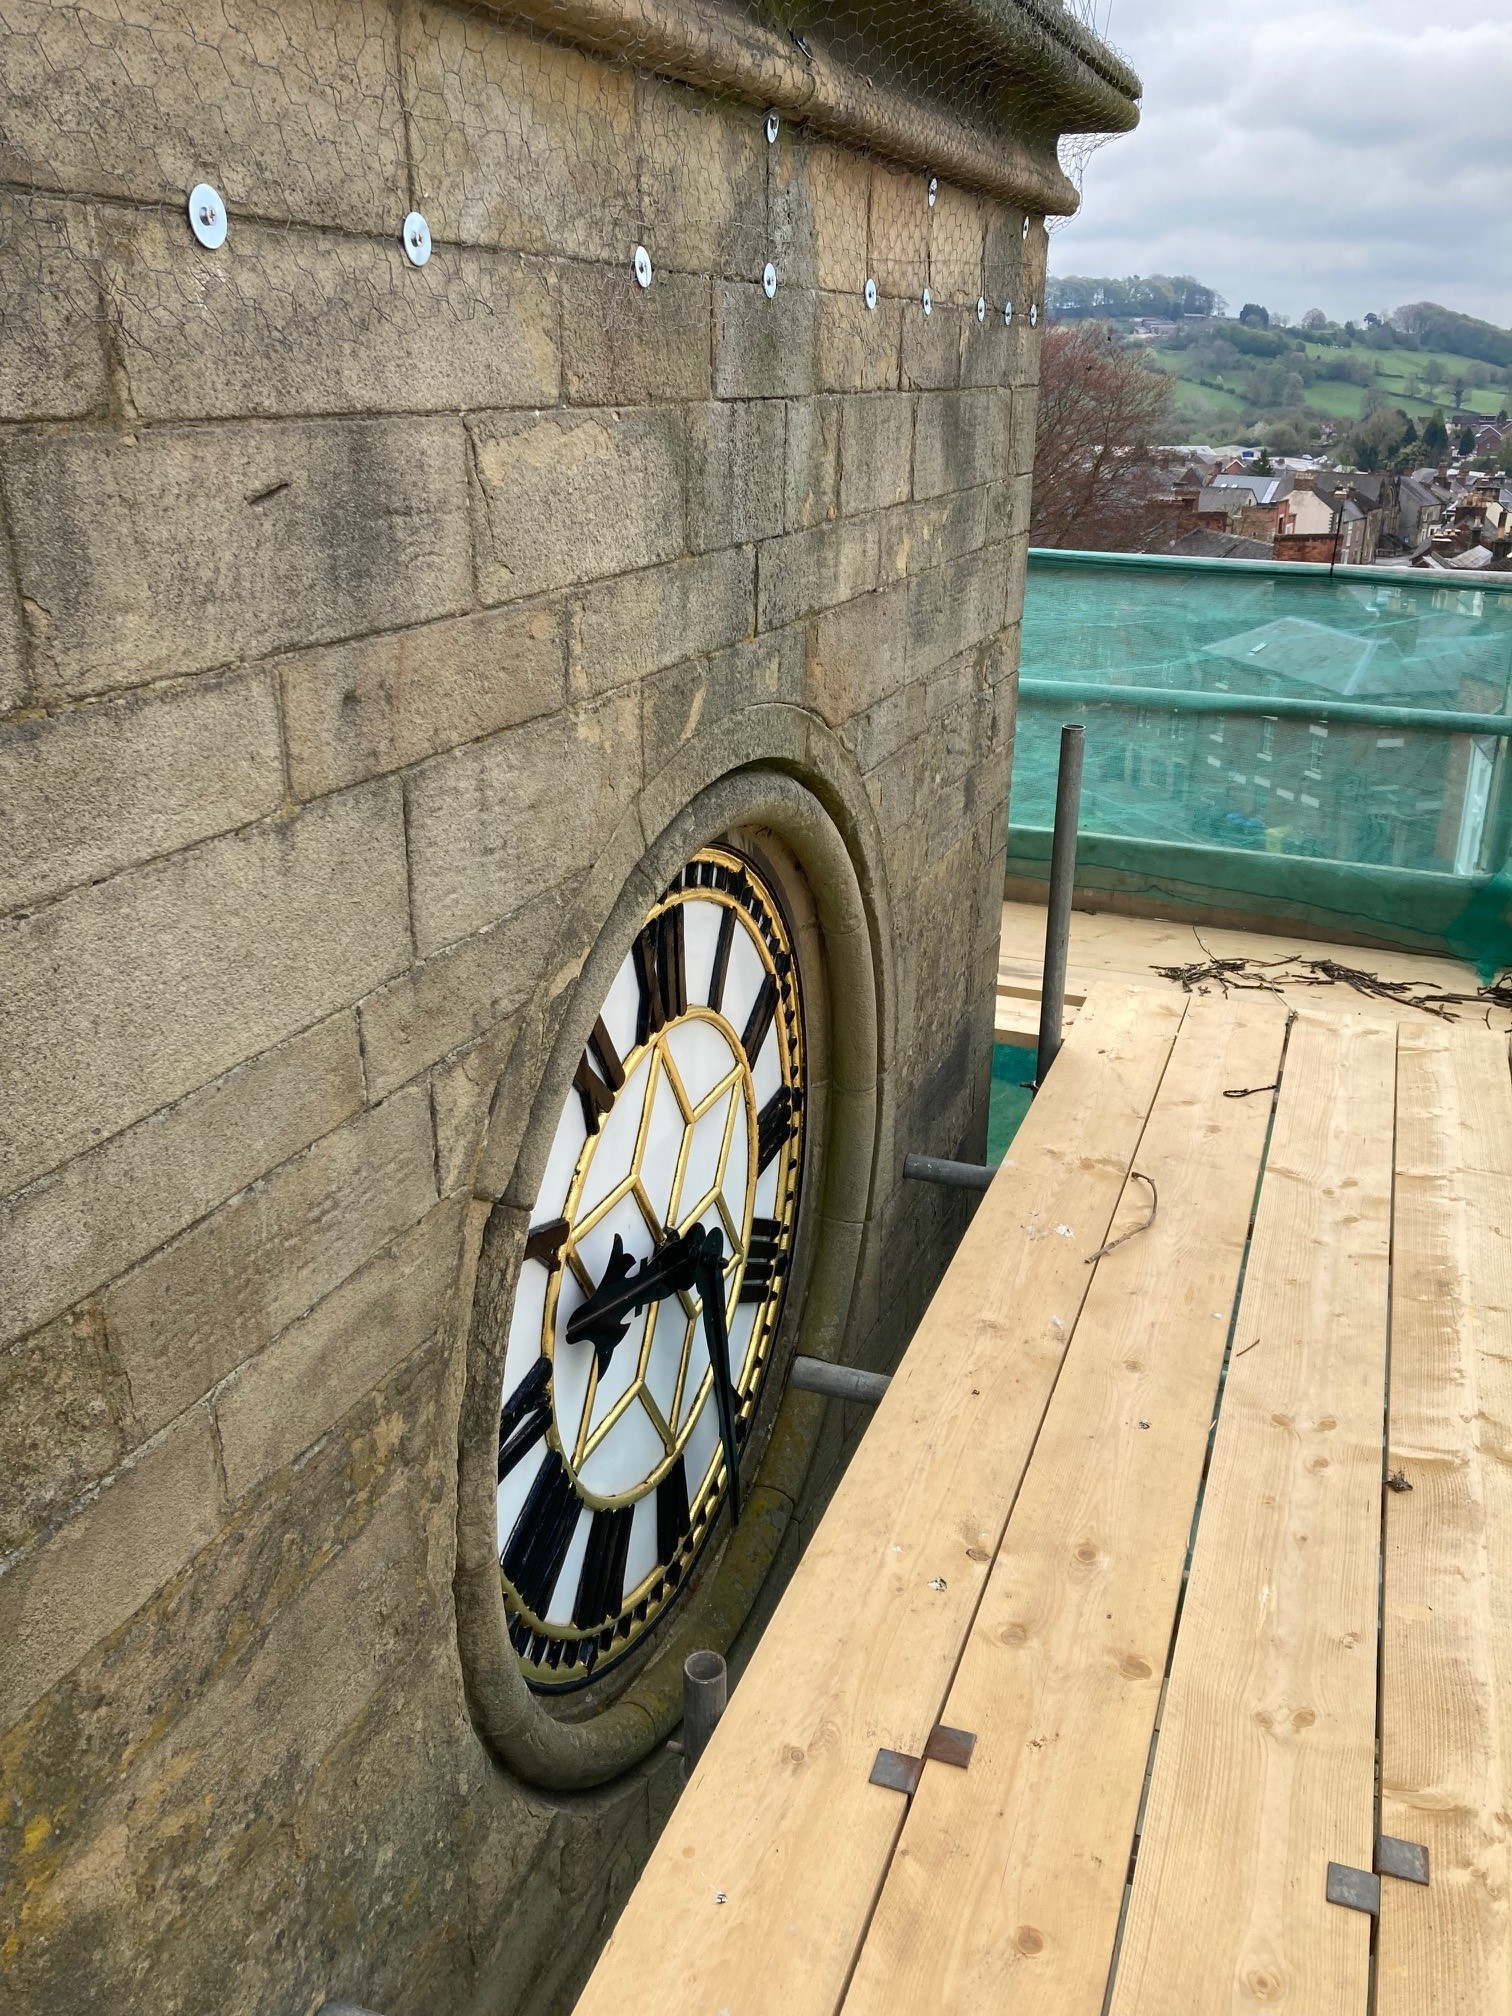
<point x="1188" y="1520"/>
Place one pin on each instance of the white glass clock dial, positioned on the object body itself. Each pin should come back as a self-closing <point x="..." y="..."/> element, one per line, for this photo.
<point x="649" y="1297"/>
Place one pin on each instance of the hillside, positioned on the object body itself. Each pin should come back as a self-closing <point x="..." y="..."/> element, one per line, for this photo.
<point x="1296" y="386"/>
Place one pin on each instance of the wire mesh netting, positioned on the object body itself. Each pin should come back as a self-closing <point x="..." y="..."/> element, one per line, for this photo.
<point x="1344" y="733"/>
<point x="577" y="130"/>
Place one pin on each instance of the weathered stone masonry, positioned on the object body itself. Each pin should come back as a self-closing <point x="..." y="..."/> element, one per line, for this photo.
<point x="352" y="618"/>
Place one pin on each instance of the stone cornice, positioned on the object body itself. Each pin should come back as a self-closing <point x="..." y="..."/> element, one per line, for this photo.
<point x="985" y="90"/>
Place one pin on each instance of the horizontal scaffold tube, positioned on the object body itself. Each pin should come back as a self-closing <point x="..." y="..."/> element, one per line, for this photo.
<point x="1372" y="713"/>
<point x="838" y="1382"/>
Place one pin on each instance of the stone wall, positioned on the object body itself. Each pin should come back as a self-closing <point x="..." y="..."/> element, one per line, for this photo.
<point x="351" y="614"/>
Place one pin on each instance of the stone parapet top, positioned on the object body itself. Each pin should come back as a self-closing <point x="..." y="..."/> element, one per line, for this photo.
<point x="976" y="90"/>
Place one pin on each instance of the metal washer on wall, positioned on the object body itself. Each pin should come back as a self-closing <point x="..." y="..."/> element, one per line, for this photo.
<point x="869" y="293"/>
<point x="773" y="127"/>
<point x="642" y="265"/>
<point x="928" y="302"/>
<point x="416" y="239"/>
<point x="981" y="307"/>
<point x="769" y="280"/>
<point x="207" y="216"/>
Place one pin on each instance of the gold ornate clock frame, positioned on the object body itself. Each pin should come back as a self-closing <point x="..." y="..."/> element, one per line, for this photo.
<point x="836" y="912"/>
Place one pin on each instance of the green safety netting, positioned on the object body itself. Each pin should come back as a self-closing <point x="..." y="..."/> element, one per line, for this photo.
<point x="1277" y="743"/>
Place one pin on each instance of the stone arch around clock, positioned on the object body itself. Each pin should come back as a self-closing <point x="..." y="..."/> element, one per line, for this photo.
<point x="810" y="827"/>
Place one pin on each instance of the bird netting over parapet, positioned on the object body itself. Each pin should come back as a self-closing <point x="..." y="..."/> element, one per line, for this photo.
<point x="563" y="128"/>
<point x="980" y="90"/>
<point x="1290" y="743"/>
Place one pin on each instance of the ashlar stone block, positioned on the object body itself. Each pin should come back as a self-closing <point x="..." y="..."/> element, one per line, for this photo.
<point x="820" y="202"/>
<point x="564" y="496"/>
<point x="625" y="345"/>
<point x="222" y="1292"/>
<point x="288" y="321"/>
<point x="688" y="699"/>
<point x="925" y="535"/>
<point x="296" y="107"/>
<point x="932" y="346"/>
<point x="626" y="629"/>
<point x="88" y="792"/>
<point x="957" y="231"/>
<point x="104" y="1211"/>
<point x="62" y="1434"/>
<point x="876" y="451"/>
<point x="765" y="349"/>
<point x="735" y="472"/>
<point x="288" y="1396"/>
<point x="703" y="183"/>
<point x="985" y="349"/>
<point x="52" y="359"/>
<point x="462" y="1091"/>
<point x="76" y="1586"/>
<point x="494" y="824"/>
<point x="179" y="549"/>
<point x="899" y="259"/>
<point x="852" y="659"/>
<point x="13" y="673"/>
<point x="812" y="463"/>
<point x="517" y="141"/>
<point x="357" y="710"/>
<point x="1003" y="257"/>
<point x="860" y="348"/>
<point x="815" y="570"/>
<point x="445" y="1001"/>
<point x="959" y="441"/>
<point x="122" y="997"/>
<point x="1021" y="424"/>
<point x="954" y="607"/>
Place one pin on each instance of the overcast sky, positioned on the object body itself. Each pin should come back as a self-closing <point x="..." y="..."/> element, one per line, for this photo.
<point x="1334" y="154"/>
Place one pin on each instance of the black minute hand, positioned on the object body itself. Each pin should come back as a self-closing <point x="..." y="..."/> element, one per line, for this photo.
<point x="604" y="1318"/>
<point x="712" y="1295"/>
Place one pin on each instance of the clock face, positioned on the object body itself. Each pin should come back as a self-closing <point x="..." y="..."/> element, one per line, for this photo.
<point x="654" y="1271"/>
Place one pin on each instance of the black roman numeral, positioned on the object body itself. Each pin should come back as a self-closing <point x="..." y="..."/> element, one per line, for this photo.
<point x="721" y="958"/>
<point x="673" y="1519"/>
<point x="765" y="1262"/>
<point x="661" y="973"/>
<point x="601" y="1586"/>
<point x="774" y="1124"/>
<point x="599" y="1075"/>
<point x="525" y="1417"/>
<point x="763" y="1008"/>
<point x="533" y="1556"/>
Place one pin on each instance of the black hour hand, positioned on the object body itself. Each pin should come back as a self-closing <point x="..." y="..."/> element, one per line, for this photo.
<point x="604" y="1318"/>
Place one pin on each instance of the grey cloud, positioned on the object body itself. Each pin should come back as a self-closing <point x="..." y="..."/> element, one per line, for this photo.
<point x="1348" y="156"/>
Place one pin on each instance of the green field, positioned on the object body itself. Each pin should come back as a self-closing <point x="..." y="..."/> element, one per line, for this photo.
<point x="1194" y="393"/>
<point x="1203" y="394"/>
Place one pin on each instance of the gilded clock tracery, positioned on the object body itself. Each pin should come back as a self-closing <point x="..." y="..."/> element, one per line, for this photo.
<point x="677" y="1161"/>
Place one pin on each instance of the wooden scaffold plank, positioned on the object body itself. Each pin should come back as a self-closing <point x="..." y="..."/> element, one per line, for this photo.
<point x="1006" y="1887"/>
<point x="759" y="1890"/>
<point x="1446" y="1654"/>
<point x="1265" y="1765"/>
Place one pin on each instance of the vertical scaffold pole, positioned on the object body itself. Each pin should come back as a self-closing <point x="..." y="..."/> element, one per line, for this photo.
<point x="1058" y="908"/>
<point x="705" y="1686"/>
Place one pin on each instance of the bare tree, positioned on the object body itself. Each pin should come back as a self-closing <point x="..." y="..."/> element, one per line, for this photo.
<point x="1101" y="413"/>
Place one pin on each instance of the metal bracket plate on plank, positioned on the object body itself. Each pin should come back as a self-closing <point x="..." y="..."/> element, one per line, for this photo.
<point x="1355" y="1889"/>
<point x="950" y="1746"/>
<point x="900" y="1772"/>
<point x="1406" y="1860"/>
<point x="897" y="1771"/>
